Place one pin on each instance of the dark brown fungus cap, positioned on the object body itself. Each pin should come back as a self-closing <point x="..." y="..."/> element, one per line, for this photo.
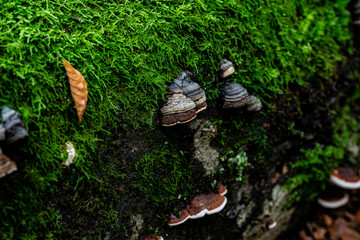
<point x="333" y="198"/>
<point x="174" y="220"/>
<point x="271" y="224"/>
<point x="154" y="237"/>
<point x="206" y="203"/>
<point x="182" y="96"/>
<point x="6" y="165"/>
<point x="177" y="109"/>
<point x="346" y="177"/>
<point x="221" y="189"/>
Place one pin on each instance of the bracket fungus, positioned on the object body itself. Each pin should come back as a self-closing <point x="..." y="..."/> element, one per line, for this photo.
<point x="346" y="177"/>
<point x="183" y="100"/>
<point x="254" y="104"/>
<point x="236" y="96"/>
<point x="200" y="205"/>
<point x="271" y="224"/>
<point x="333" y="198"/>
<point x="177" y="109"/>
<point x="222" y="190"/>
<point x="174" y="220"/>
<point x="226" y="68"/>
<point x="154" y="237"/>
<point x="357" y="13"/>
<point x="12" y="125"/>
<point x="206" y="203"/>
<point x="2" y="132"/>
<point x="6" y="165"/>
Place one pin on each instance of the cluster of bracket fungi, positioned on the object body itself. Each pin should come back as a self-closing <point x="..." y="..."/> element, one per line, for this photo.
<point x="184" y="98"/>
<point x="200" y="205"/>
<point x="235" y="95"/>
<point x="12" y="130"/>
<point x="342" y="179"/>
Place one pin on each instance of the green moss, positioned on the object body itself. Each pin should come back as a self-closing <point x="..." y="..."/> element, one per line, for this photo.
<point x="310" y="173"/>
<point x="164" y="175"/>
<point x="128" y="52"/>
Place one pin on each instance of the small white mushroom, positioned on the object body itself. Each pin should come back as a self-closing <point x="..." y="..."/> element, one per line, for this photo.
<point x="71" y="153"/>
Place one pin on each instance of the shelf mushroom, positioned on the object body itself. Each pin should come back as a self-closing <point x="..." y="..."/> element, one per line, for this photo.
<point x="222" y="190"/>
<point x="271" y="224"/>
<point x="226" y="68"/>
<point x="346" y="177"/>
<point x="184" y="99"/>
<point x="357" y="13"/>
<point x="236" y="96"/>
<point x="177" y="109"/>
<point x="206" y="203"/>
<point x="13" y="125"/>
<point x="174" y="220"/>
<point x="200" y="205"/>
<point x="6" y="165"/>
<point x="154" y="237"/>
<point x="333" y="198"/>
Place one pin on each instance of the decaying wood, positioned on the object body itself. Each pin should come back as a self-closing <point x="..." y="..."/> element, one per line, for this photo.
<point x="78" y="88"/>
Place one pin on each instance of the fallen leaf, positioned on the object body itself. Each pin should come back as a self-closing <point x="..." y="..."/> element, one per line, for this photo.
<point x="78" y="88"/>
<point x="340" y="230"/>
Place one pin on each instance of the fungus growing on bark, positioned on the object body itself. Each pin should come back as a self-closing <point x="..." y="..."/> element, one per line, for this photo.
<point x="177" y="109"/>
<point x="271" y="224"/>
<point x="226" y="68"/>
<point x="2" y="132"/>
<point x="154" y="237"/>
<point x="333" y="198"/>
<point x="357" y="13"/>
<point x="346" y="177"/>
<point x="206" y="203"/>
<point x="174" y="220"/>
<point x="14" y="127"/>
<point x="222" y="190"/>
<point x="234" y="95"/>
<point x="184" y="99"/>
<point x="6" y="165"/>
<point x="254" y="104"/>
<point x="200" y="205"/>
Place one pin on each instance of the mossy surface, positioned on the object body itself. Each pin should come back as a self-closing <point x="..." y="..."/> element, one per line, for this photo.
<point x="128" y="51"/>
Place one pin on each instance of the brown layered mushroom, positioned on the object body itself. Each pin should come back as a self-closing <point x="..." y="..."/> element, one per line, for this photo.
<point x="174" y="220"/>
<point x="271" y="224"/>
<point x="183" y="100"/>
<point x="226" y="68"/>
<point x="177" y="109"/>
<point x="346" y="177"/>
<point x="200" y="205"/>
<point x="6" y="165"/>
<point x="222" y="190"/>
<point x="236" y="96"/>
<point x="154" y="237"/>
<point x="333" y="198"/>
<point x="206" y="203"/>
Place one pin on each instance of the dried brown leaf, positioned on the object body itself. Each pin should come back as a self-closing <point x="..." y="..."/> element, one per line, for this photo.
<point x="78" y="88"/>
